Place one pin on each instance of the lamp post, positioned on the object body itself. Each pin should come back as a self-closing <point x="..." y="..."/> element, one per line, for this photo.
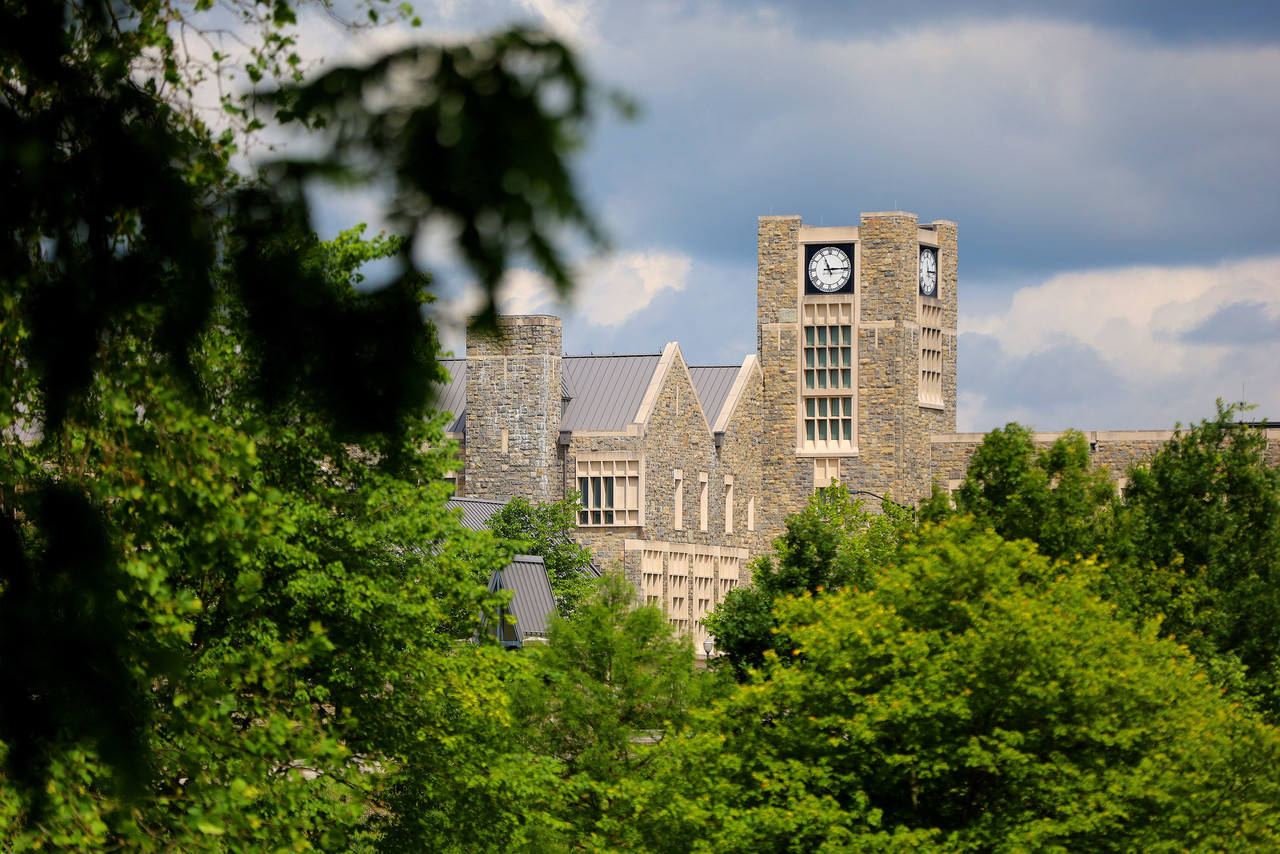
<point x="708" y="645"/>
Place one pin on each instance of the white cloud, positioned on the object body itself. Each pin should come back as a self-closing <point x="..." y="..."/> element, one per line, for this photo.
<point x="609" y="290"/>
<point x="1136" y="319"/>
<point x="1126" y="348"/>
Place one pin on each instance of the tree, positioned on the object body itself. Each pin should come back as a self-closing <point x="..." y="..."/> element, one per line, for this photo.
<point x="269" y="607"/>
<point x="832" y="544"/>
<point x="597" y="697"/>
<point x="975" y="697"/>
<point x="1200" y="533"/>
<point x="201" y="578"/>
<point x="547" y="530"/>
<point x="1053" y="497"/>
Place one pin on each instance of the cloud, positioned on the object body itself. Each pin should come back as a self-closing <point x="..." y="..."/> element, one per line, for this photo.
<point x="1237" y="323"/>
<point x="1126" y="348"/>
<point x="610" y="290"/>
<point x="1047" y="140"/>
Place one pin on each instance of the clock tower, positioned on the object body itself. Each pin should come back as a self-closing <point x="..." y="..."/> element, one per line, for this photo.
<point x="857" y="342"/>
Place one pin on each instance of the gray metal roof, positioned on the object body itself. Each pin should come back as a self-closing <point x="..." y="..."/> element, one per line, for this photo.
<point x="532" y="603"/>
<point x="606" y="390"/>
<point x="603" y="392"/>
<point x="452" y="396"/>
<point x="476" y="511"/>
<point x="713" y="385"/>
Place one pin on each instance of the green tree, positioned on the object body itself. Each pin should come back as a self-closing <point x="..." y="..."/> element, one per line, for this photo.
<point x="548" y="530"/>
<point x="207" y="576"/>
<point x="976" y="697"/>
<point x="269" y="606"/>
<point x="832" y="544"/>
<point x="1200" y="534"/>
<point x="597" y="700"/>
<point x="1053" y="497"/>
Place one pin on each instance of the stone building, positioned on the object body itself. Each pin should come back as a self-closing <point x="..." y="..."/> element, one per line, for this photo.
<point x="686" y="473"/>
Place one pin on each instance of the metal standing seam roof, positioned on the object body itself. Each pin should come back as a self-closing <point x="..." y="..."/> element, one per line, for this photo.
<point x="452" y="395"/>
<point x="607" y="390"/>
<point x="532" y="602"/>
<point x="713" y="385"/>
<point x="604" y="392"/>
<point x="476" y="511"/>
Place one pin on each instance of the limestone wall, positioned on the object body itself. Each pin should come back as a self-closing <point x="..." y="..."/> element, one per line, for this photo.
<point x="1116" y="451"/>
<point x="513" y="408"/>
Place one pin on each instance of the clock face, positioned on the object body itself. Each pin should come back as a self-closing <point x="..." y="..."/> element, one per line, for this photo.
<point x="928" y="271"/>
<point x="829" y="269"/>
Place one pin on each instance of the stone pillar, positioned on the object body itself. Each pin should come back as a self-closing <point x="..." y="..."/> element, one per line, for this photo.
<point x="786" y="480"/>
<point x="514" y="409"/>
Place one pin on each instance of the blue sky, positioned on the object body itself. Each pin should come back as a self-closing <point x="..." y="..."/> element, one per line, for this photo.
<point x="1114" y="169"/>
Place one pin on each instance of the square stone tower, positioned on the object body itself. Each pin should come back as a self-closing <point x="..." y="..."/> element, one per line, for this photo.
<point x="857" y="342"/>
<point x="514" y="409"/>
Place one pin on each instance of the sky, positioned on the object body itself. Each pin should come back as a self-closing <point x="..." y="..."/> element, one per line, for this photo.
<point x="1114" y="168"/>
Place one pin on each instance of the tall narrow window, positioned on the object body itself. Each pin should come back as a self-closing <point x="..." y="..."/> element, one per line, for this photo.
<point x="728" y="504"/>
<point x="677" y="502"/>
<point x="751" y="513"/>
<point x="931" y="355"/>
<point x="702" y="501"/>
<point x="827" y="371"/>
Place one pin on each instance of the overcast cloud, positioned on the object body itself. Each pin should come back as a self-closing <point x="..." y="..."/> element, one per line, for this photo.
<point x="1114" y="172"/>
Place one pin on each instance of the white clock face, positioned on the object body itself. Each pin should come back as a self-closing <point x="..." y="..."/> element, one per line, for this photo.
<point x="928" y="271"/>
<point x="830" y="269"/>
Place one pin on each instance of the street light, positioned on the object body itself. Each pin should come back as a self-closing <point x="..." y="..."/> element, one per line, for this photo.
<point x="708" y="645"/>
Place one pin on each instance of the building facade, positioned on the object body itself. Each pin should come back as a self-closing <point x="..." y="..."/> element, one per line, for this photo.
<point x="685" y="473"/>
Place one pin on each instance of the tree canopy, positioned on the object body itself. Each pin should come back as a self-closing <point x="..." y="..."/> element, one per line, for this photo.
<point x="975" y="696"/>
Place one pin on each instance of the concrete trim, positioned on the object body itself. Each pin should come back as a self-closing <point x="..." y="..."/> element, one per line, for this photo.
<point x="651" y="393"/>
<point x="685" y="549"/>
<point x="750" y="366"/>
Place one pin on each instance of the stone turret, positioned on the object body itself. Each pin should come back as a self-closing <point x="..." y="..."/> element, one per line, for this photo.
<point x="514" y="408"/>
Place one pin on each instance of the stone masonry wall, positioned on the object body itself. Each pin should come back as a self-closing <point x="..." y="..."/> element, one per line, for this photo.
<point x="1116" y="451"/>
<point x="790" y="483"/>
<point x="513" y="384"/>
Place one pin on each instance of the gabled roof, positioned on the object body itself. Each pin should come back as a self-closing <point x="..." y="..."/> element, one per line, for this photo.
<point x="713" y="385"/>
<point x="605" y="391"/>
<point x="532" y="602"/>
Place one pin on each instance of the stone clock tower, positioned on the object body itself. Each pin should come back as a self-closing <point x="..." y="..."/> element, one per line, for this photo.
<point x="857" y="342"/>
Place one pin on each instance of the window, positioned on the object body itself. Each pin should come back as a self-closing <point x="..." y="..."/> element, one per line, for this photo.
<point x="728" y="504"/>
<point x="931" y="355"/>
<point x="610" y="492"/>
<point x="827" y="388"/>
<point x="751" y="513"/>
<point x="702" y="501"/>
<point x="678" y="502"/>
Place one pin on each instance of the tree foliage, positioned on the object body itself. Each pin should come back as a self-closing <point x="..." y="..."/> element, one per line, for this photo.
<point x="547" y="529"/>
<point x="597" y="700"/>
<point x="1053" y="497"/>
<point x="238" y="644"/>
<point x="1201" y="535"/>
<point x="204" y="583"/>
<point x="834" y="543"/>
<point x="974" y="697"/>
